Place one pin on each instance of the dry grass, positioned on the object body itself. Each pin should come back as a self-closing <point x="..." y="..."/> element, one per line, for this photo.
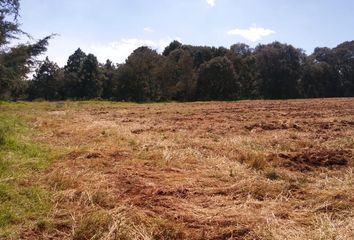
<point x="231" y="170"/>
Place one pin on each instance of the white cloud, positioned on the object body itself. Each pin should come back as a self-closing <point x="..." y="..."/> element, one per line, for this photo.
<point x="118" y="51"/>
<point x="211" y="3"/>
<point x="148" y="29"/>
<point x="252" y="34"/>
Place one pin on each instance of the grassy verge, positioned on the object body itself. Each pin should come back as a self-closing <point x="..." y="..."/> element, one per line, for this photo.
<point x="23" y="202"/>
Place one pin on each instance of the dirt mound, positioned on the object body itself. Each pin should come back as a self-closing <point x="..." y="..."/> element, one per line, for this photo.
<point x="312" y="159"/>
<point x="80" y="155"/>
<point x="272" y="126"/>
<point x="179" y="193"/>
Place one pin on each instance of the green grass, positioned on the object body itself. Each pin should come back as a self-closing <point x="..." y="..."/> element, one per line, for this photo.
<point x="22" y="200"/>
<point x="68" y="104"/>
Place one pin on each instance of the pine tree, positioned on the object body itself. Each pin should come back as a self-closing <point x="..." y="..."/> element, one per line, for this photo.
<point x="47" y="82"/>
<point x="91" y="80"/>
<point x="15" y="61"/>
<point x="72" y="71"/>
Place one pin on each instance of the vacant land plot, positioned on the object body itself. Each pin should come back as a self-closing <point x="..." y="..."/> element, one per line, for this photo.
<point x="214" y="170"/>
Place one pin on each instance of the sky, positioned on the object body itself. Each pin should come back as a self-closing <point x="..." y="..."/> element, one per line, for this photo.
<point x="112" y="29"/>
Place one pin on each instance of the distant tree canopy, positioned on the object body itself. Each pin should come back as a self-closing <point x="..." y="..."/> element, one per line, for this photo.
<point x="190" y="73"/>
<point x="180" y="73"/>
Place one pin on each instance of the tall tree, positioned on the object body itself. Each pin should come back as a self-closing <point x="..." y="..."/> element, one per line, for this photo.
<point x="203" y="54"/>
<point x="47" y="82"/>
<point x="108" y="83"/>
<point x="241" y="50"/>
<point x="217" y="80"/>
<point x="72" y="74"/>
<point x="279" y="69"/>
<point x="241" y="55"/>
<point x="137" y="79"/>
<point x="91" y="80"/>
<point x="322" y="75"/>
<point x="185" y="88"/>
<point x="170" y="48"/>
<point x="16" y="61"/>
<point x="344" y="65"/>
<point x="177" y="76"/>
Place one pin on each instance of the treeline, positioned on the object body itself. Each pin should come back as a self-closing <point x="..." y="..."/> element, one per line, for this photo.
<point x="189" y="73"/>
<point x="180" y="73"/>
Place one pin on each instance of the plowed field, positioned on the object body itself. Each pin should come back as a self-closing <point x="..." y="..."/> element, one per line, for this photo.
<point x="213" y="170"/>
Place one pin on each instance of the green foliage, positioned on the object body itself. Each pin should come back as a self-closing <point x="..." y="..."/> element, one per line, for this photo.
<point x="189" y="73"/>
<point x="72" y="85"/>
<point x="16" y="61"/>
<point x="108" y="82"/>
<point x="170" y="48"/>
<point x="9" y="9"/>
<point x="177" y="76"/>
<point x="83" y="78"/>
<point x="278" y="68"/>
<point x="202" y="54"/>
<point x="47" y="83"/>
<point x="91" y="81"/>
<point x="244" y="62"/>
<point x="3" y="135"/>
<point x="217" y="80"/>
<point x="137" y="79"/>
<point x="329" y="72"/>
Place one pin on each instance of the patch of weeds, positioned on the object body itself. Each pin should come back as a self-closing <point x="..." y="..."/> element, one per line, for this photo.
<point x="61" y="181"/>
<point x="59" y="105"/>
<point x="255" y="161"/>
<point x="103" y="199"/>
<point x="19" y="204"/>
<point x="134" y="144"/>
<point x="21" y="199"/>
<point x="100" y="103"/>
<point x="258" y="164"/>
<point x="302" y="181"/>
<point x="344" y="142"/>
<point x="284" y="148"/>
<point x="3" y="135"/>
<point x="253" y="146"/>
<point x="6" y="218"/>
<point x="167" y="231"/>
<point x="93" y="226"/>
<point x="272" y="174"/>
<point x="44" y="225"/>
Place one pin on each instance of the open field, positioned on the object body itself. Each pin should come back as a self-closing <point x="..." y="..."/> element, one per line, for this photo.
<point x="213" y="170"/>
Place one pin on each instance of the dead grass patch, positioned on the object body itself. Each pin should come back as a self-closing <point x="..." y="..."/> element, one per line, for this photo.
<point x="216" y="170"/>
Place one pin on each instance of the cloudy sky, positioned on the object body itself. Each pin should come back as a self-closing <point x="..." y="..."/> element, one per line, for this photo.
<point x="114" y="28"/>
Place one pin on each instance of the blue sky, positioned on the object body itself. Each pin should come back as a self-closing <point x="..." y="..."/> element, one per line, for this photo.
<point x="114" y="28"/>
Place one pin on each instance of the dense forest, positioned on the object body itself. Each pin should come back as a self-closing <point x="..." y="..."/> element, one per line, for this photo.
<point x="180" y="73"/>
